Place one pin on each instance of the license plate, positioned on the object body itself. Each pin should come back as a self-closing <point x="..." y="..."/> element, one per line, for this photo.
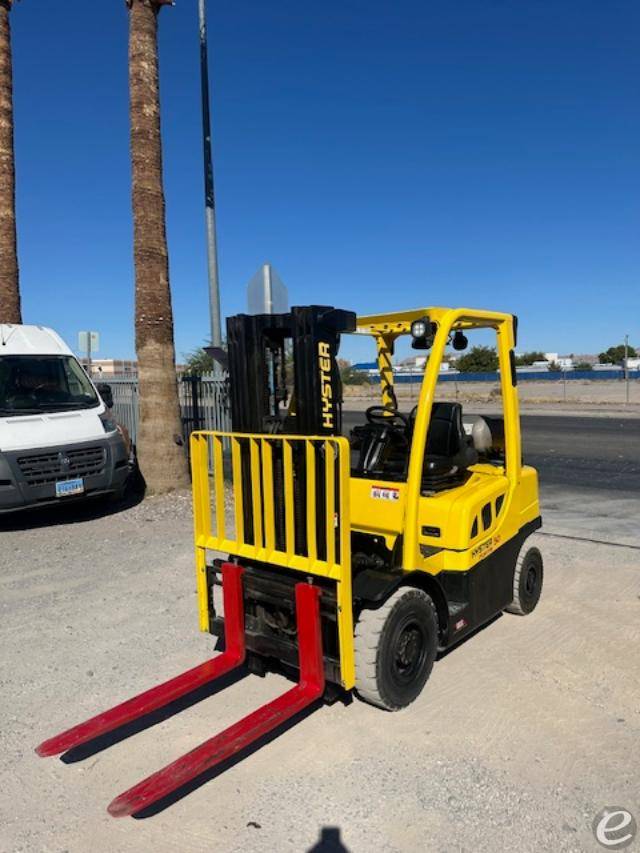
<point x="69" y="487"/>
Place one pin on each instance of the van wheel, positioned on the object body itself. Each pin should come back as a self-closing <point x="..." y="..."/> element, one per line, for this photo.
<point x="395" y="647"/>
<point x="527" y="581"/>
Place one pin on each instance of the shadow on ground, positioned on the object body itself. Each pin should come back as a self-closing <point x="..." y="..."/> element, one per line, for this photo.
<point x="92" y="747"/>
<point x="76" y="510"/>
<point x="329" y="841"/>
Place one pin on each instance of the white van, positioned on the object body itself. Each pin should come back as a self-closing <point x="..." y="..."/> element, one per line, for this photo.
<point x="58" y="440"/>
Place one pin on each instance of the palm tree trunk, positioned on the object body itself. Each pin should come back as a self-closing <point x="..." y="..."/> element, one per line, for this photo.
<point x="9" y="287"/>
<point x="162" y="461"/>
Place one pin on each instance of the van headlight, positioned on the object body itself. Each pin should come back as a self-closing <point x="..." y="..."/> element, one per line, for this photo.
<point x="108" y="424"/>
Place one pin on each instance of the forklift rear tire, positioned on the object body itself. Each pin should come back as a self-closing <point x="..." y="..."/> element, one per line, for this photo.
<point x="527" y="581"/>
<point x="395" y="647"/>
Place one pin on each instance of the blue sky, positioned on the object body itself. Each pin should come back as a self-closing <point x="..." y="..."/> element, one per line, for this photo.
<point x="380" y="155"/>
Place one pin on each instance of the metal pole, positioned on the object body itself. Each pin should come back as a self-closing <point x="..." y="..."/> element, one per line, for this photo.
<point x="210" y="211"/>
<point x="89" y="353"/>
<point x="626" y="366"/>
<point x="268" y="288"/>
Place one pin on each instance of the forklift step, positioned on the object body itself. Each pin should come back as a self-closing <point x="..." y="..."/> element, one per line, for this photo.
<point x="169" y="691"/>
<point x="248" y="730"/>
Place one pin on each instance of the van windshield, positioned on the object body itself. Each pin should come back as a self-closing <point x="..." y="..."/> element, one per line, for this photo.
<point x="30" y="384"/>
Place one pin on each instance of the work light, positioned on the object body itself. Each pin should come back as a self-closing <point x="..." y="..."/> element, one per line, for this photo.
<point x="419" y="328"/>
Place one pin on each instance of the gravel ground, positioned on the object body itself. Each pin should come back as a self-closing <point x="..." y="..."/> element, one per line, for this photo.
<point x="523" y="734"/>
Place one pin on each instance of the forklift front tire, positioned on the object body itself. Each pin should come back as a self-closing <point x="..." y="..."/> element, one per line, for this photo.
<point x="527" y="581"/>
<point x="395" y="647"/>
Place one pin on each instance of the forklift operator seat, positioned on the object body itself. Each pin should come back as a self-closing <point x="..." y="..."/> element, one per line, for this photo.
<point x="448" y="453"/>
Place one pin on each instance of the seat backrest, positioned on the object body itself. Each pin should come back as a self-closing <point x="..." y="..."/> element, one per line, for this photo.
<point x="446" y="434"/>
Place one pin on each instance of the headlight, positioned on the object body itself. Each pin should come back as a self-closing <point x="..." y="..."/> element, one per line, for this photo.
<point x="108" y="424"/>
<point x="419" y="328"/>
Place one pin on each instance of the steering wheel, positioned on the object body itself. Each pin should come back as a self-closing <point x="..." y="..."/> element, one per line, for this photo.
<point x="380" y="415"/>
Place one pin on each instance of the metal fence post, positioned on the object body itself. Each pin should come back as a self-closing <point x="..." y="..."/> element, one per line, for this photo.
<point x="203" y="403"/>
<point x="195" y="402"/>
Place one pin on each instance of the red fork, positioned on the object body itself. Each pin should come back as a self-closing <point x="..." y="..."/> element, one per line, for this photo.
<point x="235" y="738"/>
<point x="163" y="694"/>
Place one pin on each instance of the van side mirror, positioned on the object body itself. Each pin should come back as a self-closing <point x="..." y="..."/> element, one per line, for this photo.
<point x="106" y="393"/>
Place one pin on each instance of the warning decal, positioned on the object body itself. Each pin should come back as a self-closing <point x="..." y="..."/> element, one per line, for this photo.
<point x="383" y="493"/>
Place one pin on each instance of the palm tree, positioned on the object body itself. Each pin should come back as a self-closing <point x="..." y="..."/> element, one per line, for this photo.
<point x="9" y="287"/>
<point x="162" y="461"/>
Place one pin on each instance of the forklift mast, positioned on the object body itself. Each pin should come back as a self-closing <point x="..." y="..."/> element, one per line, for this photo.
<point x="258" y="349"/>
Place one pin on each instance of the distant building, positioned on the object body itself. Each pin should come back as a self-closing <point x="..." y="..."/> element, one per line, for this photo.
<point x="535" y="367"/>
<point x="418" y="362"/>
<point x="566" y="362"/>
<point x="415" y="361"/>
<point x="104" y="367"/>
<point x="609" y="367"/>
<point x="368" y="367"/>
<point x="413" y="365"/>
<point x="587" y="358"/>
<point x="111" y="366"/>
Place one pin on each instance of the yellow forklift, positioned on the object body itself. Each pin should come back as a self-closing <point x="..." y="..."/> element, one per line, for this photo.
<point x="348" y="561"/>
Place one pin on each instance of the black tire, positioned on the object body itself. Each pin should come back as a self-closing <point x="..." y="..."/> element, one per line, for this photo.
<point x="395" y="647"/>
<point x="527" y="581"/>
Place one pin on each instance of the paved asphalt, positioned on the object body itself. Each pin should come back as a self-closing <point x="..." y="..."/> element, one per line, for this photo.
<point x="594" y="453"/>
<point x="578" y="452"/>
